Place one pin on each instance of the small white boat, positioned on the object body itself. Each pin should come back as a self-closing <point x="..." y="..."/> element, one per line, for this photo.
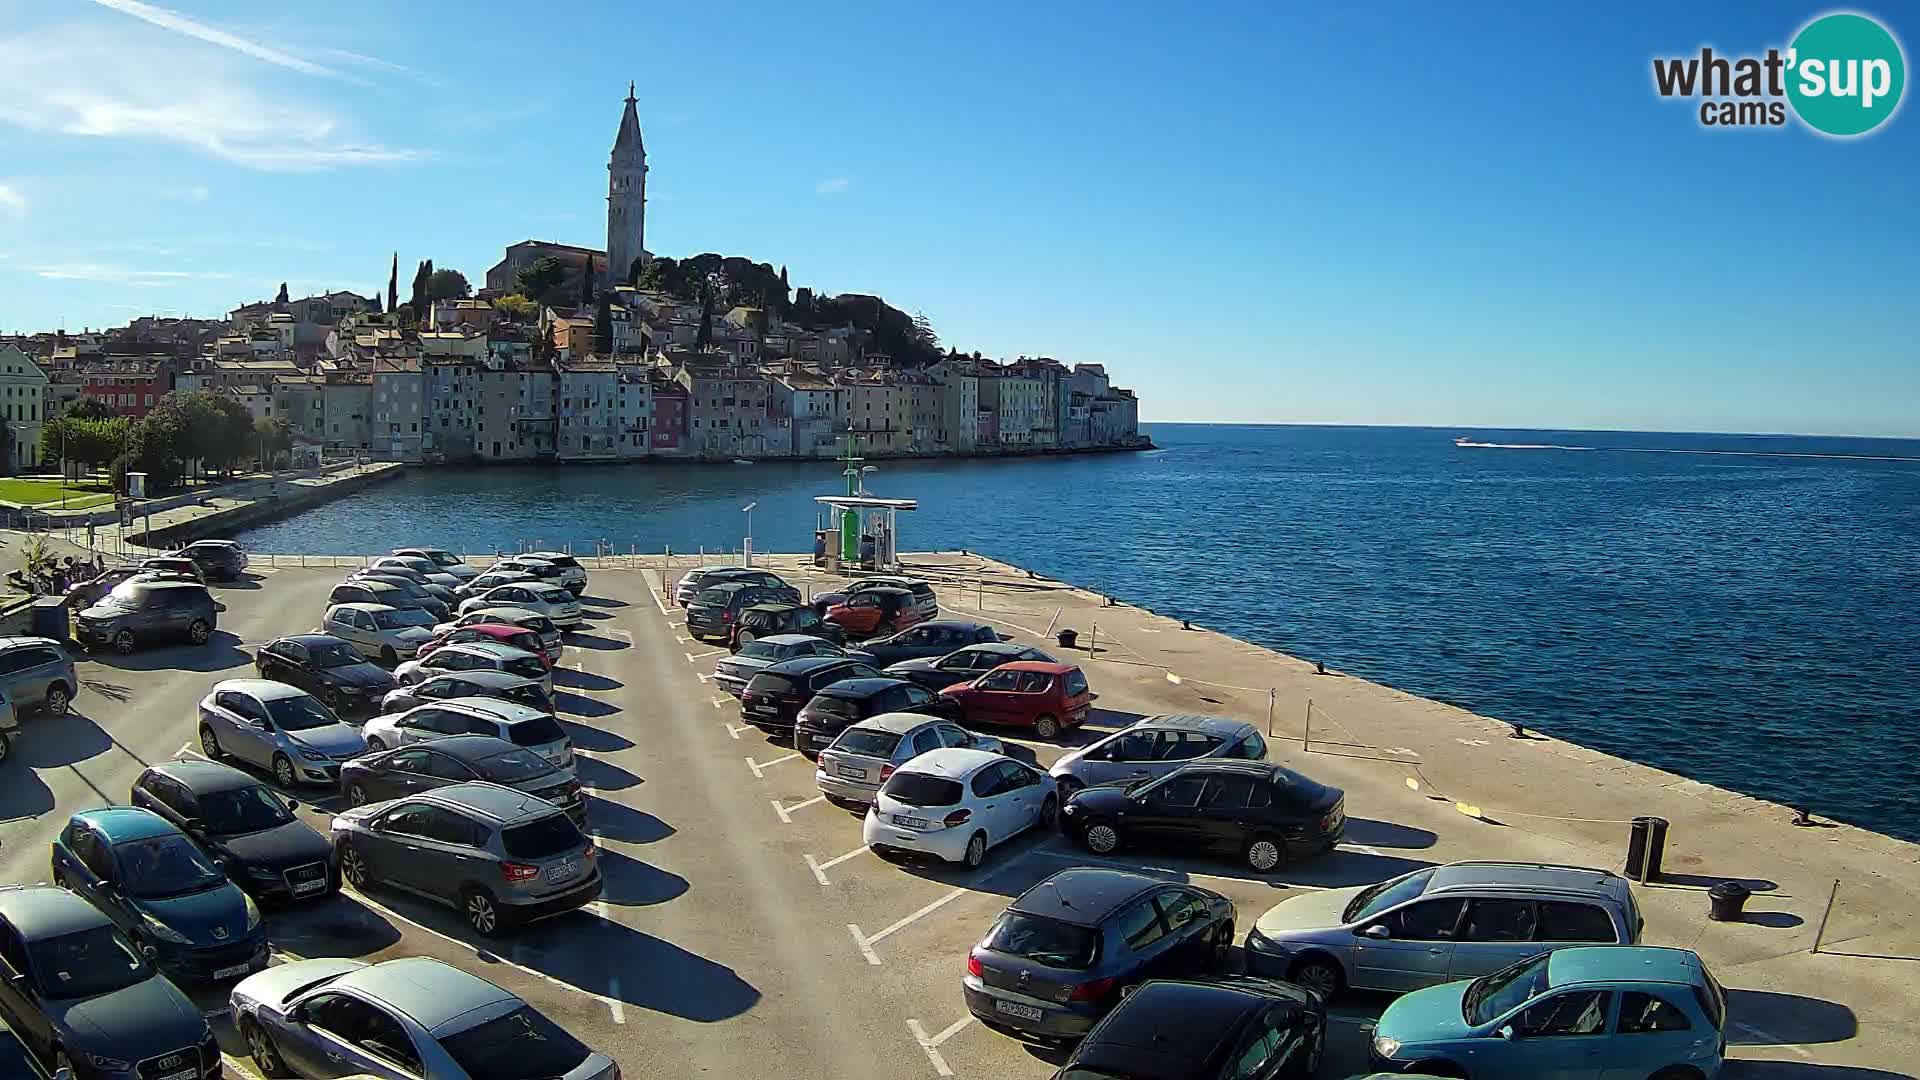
<point x="1463" y="441"/>
<point x="741" y="461"/>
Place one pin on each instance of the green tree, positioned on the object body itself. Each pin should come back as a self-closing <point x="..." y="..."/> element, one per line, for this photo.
<point x="603" y="326"/>
<point x="544" y="281"/>
<point x="273" y="436"/>
<point x="91" y="408"/>
<point x="660" y="274"/>
<point x="705" y="337"/>
<point x="515" y="307"/>
<point x="281" y="296"/>
<point x="421" y="275"/>
<point x="448" y="285"/>
<point x="635" y="271"/>
<point x="586" y="285"/>
<point x="393" y="283"/>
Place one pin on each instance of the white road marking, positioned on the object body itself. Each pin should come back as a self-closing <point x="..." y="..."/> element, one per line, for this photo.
<point x="1118" y="864"/>
<point x="617" y="632"/>
<point x="659" y="603"/>
<point x="682" y="639"/>
<point x="932" y="1045"/>
<point x="866" y="943"/>
<point x="758" y="766"/>
<point x="1771" y="1038"/>
<point x="694" y="658"/>
<point x="614" y="1003"/>
<point x="1362" y="848"/>
<point x="238" y="1066"/>
<point x="859" y="942"/>
<point x="735" y="729"/>
<point x="786" y="812"/>
<point x="702" y="676"/>
<point x="719" y="701"/>
<point x="820" y="868"/>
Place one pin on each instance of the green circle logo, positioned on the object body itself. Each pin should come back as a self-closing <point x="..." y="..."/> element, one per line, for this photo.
<point x="1846" y="73"/>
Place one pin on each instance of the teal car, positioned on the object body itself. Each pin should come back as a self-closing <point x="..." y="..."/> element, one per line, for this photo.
<point x="1596" y="1013"/>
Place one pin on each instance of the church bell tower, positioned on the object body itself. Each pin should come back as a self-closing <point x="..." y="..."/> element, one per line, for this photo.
<point x="626" y="196"/>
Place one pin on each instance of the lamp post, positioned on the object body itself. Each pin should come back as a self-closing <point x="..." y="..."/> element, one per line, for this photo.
<point x="746" y="545"/>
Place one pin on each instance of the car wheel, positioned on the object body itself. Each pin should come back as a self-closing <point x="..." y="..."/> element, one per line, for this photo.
<point x="746" y="637"/>
<point x="57" y="700"/>
<point x="1070" y="786"/>
<point x="375" y="744"/>
<point x="357" y="795"/>
<point x="210" y="743"/>
<point x="1264" y="854"/>
<point x="482" y="912"/>
<point x="976" y="852"/>
<point x="260" y="1047"/>
<point x="199" y="632"/>
<point x="353" y="868"/>
<point x="389" y="657"/>
<point x="283" y="771"/>
<point x="1047" y="727"/>
<point x="1049" y="813"/>
<point x="123" y="642"/>
<point x="1318" y="974"/>
<point x="1101" y="837"/>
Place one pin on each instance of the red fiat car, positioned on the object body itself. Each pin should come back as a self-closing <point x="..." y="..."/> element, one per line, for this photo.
<point x="518" y="637"/>
<point x="871" y="612"/>
<point x="1027" y="693"/>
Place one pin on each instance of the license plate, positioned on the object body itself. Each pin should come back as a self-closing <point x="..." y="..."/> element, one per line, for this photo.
<point x="228" y="973"/>
<point x="562" y="872"/>
<point x="1014" y="1008"/>
<point x="909" y="822"/>
<point x="305" y="887"/>
<point x="852" y="773"/>
<point x="820" y="740"/>
<point x="184" y="1074"/>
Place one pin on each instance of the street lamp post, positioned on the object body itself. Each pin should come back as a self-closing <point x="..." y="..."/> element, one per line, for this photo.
<point x="746" y="545"/>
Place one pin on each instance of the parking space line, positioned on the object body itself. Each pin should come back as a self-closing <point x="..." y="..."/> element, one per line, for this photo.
<point x="234" y="1065"/>
<point x="682" y="639"/>
<point x="1118" y="864"/>
<point x="659" y="603"/>
<point x="786" y="812"/>
<point x="702" y="676"/>
<point x="932" y="1045"/>
<point x="759" y="766"/>
<point x="619" y="633"/>
<point x="719" y="701"/>
<point x="820" y="868"/>
<point x="694" y="658"/>
<point x="614" y="1004"/>
<point x="1362" y="849"/>
<point x="866" y="943"/>
<point x="859" y="942"/>
<point x="735" y="729"/>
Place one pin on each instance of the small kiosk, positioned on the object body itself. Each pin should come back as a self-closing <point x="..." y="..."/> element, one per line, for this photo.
<point x="864" y="530"/>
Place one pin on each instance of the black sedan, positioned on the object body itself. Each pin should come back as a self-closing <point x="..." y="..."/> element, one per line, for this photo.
<point x="840" y="705"/>
<point x="330" y="669"/>
<point x="1231" y="1027"/>
<point x="964" y="664"/>
<point x="77" y="992"/>
<point x="928" y="640"/>
<point x="1263" y="814"/>
<point x="480" y="683"/>
<point x="459" y="759"/>
<point x="774" y="696"/>
<point x="247" y="827"/>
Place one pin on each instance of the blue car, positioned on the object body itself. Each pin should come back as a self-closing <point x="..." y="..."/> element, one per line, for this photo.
<point x="1598" y="1013"/>
<point x="163" y="892"/>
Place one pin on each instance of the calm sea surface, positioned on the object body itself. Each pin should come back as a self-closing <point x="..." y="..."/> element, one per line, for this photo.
<point x="1743" y="616"/>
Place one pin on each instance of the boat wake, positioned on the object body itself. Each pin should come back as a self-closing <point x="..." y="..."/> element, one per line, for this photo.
<point x="1470" y="444"/>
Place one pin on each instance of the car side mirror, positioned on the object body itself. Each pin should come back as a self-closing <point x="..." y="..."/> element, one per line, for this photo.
<point x="1377" y="932"/>
<point x="1506" y="1032"/>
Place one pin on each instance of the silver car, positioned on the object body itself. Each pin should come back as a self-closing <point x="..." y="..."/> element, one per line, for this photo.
<point x="492" y="579"/>
<point x="499" y="856"/>
<point x="573" y="576"/>
<point x="529" y="728"/>
<point x="37" y="673"/>
<point x="446" y="561"/>
<point x="1441" y="924"/>
<point x="732" y="673"/>
<point x="552" y="601"/>
<point x="413" y="1018"/>
<point x="275" y="726"/>
<point x="476" y="656"/>
<point x="866" y="755"/>
<point x="1154" y="747"/>
<point x="418" y="564"/>
<point x="509" y="616"/>
<point x="387" y="634"/>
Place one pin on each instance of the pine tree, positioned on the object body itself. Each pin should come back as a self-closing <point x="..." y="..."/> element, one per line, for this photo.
<point x="586" y="285"/>
<point x="603" y="326"/>
<point x="282" y="298"/>
<point x="393" y="284"/>
<point x="705" y="337"/>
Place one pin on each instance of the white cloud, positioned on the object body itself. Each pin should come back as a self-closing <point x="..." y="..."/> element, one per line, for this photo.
<point x="12" y="203"/>
<point x="109" y="274"/>
<point x="181" y="24"/>
<point x="831" y="186"/>
<point x="189" y="193"/>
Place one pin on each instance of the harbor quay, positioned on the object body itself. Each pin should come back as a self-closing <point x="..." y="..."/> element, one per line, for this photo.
<point x="744" y="928"/>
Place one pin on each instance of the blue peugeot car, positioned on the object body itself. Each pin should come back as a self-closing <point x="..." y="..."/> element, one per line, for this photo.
<point x="163" y="892"/>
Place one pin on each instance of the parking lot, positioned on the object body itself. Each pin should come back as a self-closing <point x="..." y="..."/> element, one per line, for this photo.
<point x="743" y="929"/>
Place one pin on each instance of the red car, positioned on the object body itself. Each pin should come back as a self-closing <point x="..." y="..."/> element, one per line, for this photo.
<point x="518" y="637"/>
<point x="870" y="612"/>
<point x="1026" y="693"/>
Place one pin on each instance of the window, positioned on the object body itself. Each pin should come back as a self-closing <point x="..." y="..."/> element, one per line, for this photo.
<point x="1180" y="907"/>
<point x="442" y="767"/>
<point x="1428" y="920"/>
<point x="1562" y="920"/>
<point x="1642" y="1013"/>
<point x="1251" y="748"/>
<point x="925" y="740"/>
<point x="1577" y="1012"/>
<point x="988" y="782"/>
<point x="1500" y="920"/>
<point x="1179" y="791"/>
<point x="1182" y="745"/>
<point x="1228" y="792"/>
<point x="1139" y="925"/>
<point x="999" y="680"/>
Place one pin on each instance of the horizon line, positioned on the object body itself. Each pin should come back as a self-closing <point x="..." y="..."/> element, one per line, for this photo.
<point x="1482" y="427"/>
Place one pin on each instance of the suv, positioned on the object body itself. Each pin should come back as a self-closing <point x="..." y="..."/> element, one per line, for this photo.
<point x="137" y="611"/>
<point x="1440" y="924"/>
<point x="219" y="560"/>
<point x="773" y="697"/>
<point x="498" y="857"/>
<point x="850" y="701"/>
<point x="522" y="726"/>
<point x="1155" y="747"/>
<point x="713" y="613"/>
<point x="35" y="672"/>
<point x="732" y="673"/>
<point x="573" y="576"/>
<point x="693" y="581"/>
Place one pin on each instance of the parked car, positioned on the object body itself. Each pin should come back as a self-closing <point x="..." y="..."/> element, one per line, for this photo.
<point x="1230" y="1027"/>
<point x="9" y="727"/>
<point x="923" y="597"/>
<point x="327" y="667"/>
<point x="219" y="560"/>
<point x="927" y="640"/>
<point x="1026" y="693"/>
<point x="829" y="711"/>
<point x="392" y="594"/>
<point x="511" y="616"/>
<point x="37" y="673"/>
<point x="528" y="728"/>
<point x="16" y="1058"/>
<point x="392" y="634"/>
<point x="1070" y="948"/>
<point x="481" y="684"/>
<point x="140" y="612"/>
<point x="248" y="828"/>
<point x="694" y="581"/>
<point x="178" y="566"/>
<point x="1155" y="746"/>
<point x="712" y="614"/>
<point x="552" y="601"/>
<point x="426" y="568"/>
<point x="491" y="579"/>
<point x="965" y="664"/>
<point x="85" y="1000"/>
<point x="874" y="612"/>
<point x="445" y="560"/>
<point x="543" y="571"/>
<point x="272" y="725"/>
<point x="869" y="752"/>
<point x="459" y="759"/>
<point x="1440" y="924"/>
<point x="731" y="673"/>
<point x="773" y="697"/>
<point x="1628" y="1011"/>
<point x="436" y="598"/>
<point x="162" y="891"/>
<point x="513" y="637"/>
<point x="476" y="656"/>
<point x="499" y="858"/>
<point x="955" y="803"/>
<point x="768" y="620"/>
<point x="573" y="576"/>
<point x="87" y="593"/>
<point x="1264" y="814"/>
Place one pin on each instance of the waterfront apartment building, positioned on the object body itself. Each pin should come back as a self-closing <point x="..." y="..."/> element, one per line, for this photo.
<point x="813" y="405"/>
<point x="957" y="430"/>
<point x="877" y="410"/>
<point x="128" y="385"/>
<point x="23" y="390"/>
<point x="727" y="408"/>
<point x="399" y="407"/>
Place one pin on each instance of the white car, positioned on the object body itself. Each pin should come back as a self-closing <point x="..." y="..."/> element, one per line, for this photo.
<point x="447" y="561"/>
<point x="573" y="576"/>
<point x="491" y="579"/>
<point x="552" y="601"/>
<point x="475" y="656"/>
<point x="956" y="802"/>
<point x="388" y="634"/>
<point x="529" y="729"/>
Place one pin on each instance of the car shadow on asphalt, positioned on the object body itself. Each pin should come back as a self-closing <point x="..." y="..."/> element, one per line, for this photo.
<point x="603" y="601"/>
<point x="596" y="616"/>
<point x="596" y="642"/>
<point x="341" y="926"/>
<point x="1371" y="833"/>
<point x="576" y="705"/>
<point x="1766" y="1018"/>
<point x="584" y="680"/>
<point x="602" y="776"/>
<point x="629" y="882"/>
<point x="591" y="953"/>
<point x="222" y="652"/>
<point x="616" y="821"/>
<point x="594" y="740"/>
<point x="1803" y="1070"/>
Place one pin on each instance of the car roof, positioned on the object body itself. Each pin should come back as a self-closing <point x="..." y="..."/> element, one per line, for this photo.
<point x="885" y="590"/>
<point x="950" y="624"/>
<point x="361" y="605"/>
<point x="168" y="583"/>
<point x="526" y="560"/>
<point x="1239" y="765"/>
<point x="1623" y="963"/>
<point x="858" y="689"/>
<point x="203" y="777"/>
<point x="506" y="611"/>
<point x="802" y="665"/>
<point x="511" y="711"/>
<point x="371" y="584"/>
<point x="120" y="824"/>
<point x="1037" y="665"/>
<point x="896" y="723"/>
<point x="1172" y="1028"/>
<point x="733" y="586"/>
<point x="264" y="689"/>
<point x="503" y="804"/>
<point x="43" y="911"/>
<point x="899" y="580"/>
<point x="15" y="642"/>
<point x="1083" y="895"/>
<point x="485" y="677"/>
<point x="470" y="747"/>
<point x="777" y="608"/>
<point x="1211" y="725"/>
<point x="495" y="649"/>
<point x="788" y="639"/>
<point x="1528" y="877"/>
<point x="423" y="988"/>
<point x="954" y="762"/>
<point x="215" y="543"/>
<point x="1003" y="648"/>
<point x="311" y="640"/>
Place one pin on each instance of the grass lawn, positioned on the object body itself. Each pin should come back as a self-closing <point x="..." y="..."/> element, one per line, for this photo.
<point x="34" y="492"/>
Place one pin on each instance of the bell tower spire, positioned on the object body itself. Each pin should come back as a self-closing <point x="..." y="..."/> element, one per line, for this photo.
<point x="626" y="195"/>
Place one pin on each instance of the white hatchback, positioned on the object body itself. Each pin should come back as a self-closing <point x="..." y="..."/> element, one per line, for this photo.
<point x="527" y="728"/>
<point x="552" y="601"/>
<point x="954" y="803"/>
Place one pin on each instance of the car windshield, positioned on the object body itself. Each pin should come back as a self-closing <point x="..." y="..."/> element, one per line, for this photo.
<point x="522" y="1045"/>
<point x="538" y="731"/>
<point x="760" y="650"/>
<point x="515" y="766"/>
<point x="834" y="706"/>
<point x="1375" y="899"/>
<point x="441" y="558"/>
<point x="529" y="695"/>
<point x="1044" y="941"/>
<point x="554" y="596"/>
<point x="1495" y="995"/>
<point x="86" y="963"/>
<point x="712" y="597"/>
<point x="867" y="741"/>
<point x="300" y="713"/>
<point x="919" y="789"/>
<point x="543" y="838"/>
<point x="400" y="619"/>
<point x="242" y="810"/>
<point x="527" y="667"/>
<point x="163" y="866"/>
<point x="336" y="655"/>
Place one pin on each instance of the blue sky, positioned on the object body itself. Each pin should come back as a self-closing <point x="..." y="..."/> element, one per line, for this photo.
<point x="1388" y="213"/>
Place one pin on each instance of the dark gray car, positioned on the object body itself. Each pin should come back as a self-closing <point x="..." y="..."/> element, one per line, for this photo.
<point x="499" y="858"/>
<point x="965" y="664"/>
<point x="37" y="673"/>
<point x="139" y="612"/>
<point x="458" y="684"/>
<point x="459" y="759"/>
<point x="1155" y="747"/>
